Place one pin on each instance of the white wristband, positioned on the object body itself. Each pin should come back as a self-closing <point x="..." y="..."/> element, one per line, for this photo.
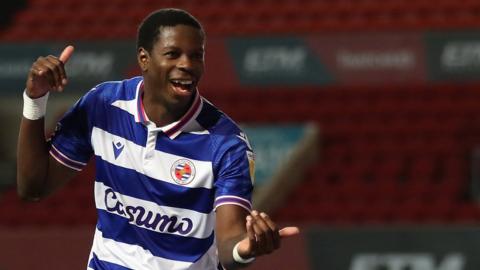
<point x="34" y="109"/>
<point x="237" y="258"/>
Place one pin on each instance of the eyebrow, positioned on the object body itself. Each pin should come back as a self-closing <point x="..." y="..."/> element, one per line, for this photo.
<point x="177" y="48"/>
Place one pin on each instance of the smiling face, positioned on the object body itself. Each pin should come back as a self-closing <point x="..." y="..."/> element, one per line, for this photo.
<point x="175" y="64"/>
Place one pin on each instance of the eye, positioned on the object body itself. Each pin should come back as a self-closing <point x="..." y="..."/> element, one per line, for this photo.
<point x="171" y="54"/>
<point x="198" y="55"/>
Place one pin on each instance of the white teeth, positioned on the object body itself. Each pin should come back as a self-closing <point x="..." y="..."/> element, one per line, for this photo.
<point x="182" y="82"/>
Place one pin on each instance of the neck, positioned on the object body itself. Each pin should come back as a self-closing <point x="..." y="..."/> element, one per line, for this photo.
<point x="163" y="111"/>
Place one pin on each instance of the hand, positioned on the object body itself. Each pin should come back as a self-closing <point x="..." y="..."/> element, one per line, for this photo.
<point x="263" y="237"/>
<point x="48" y="73"/>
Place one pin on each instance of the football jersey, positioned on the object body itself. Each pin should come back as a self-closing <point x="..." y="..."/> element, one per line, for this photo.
<point x="156" y="188"/>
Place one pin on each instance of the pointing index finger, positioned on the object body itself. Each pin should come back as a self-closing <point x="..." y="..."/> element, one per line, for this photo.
<point x="251" y="233"/>
<point x="66" y="54"/>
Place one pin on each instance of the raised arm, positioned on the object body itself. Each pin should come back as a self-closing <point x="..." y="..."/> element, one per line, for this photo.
<point x="38" y="174"/>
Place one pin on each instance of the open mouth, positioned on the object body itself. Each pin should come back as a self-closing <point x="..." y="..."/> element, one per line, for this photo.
<point x="183" y="87"/>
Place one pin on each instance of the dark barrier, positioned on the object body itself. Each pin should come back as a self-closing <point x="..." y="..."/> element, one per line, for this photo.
<point x="410" y="248"/>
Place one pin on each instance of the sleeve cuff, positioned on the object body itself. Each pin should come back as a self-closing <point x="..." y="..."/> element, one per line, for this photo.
<point x="229" y="199"/>
<point x="66" y="161"/>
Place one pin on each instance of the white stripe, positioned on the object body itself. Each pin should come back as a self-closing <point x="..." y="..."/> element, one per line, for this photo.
<point x="65" y="164"/>
<point x="235" y="203"/>
<point x="234" y="197"/>
<point x="203" y="132"/>
<point x="202" y="223"/>
<point x="158" y="166"/>
<point x="195" y="128"/>
<point x="209" y="259"/>
<point x="129" y="106"/>
<point x="131" y="256"/>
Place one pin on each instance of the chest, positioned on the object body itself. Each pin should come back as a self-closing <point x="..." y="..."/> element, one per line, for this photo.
<point x="185" y="161"/>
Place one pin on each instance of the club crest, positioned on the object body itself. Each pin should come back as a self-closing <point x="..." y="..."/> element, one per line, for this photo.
<point x="183" y="171"/>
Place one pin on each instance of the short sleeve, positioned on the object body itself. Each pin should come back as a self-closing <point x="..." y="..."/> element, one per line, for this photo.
<point x="70" y="143"/>
<point x="234" y="183"/>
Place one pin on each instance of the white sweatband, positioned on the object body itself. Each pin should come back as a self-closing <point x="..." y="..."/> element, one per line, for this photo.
<point x="34" y="109"/>
<point x="237" y="258"/>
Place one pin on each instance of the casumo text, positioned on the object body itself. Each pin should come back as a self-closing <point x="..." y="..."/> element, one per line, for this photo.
<point x="139" y="216"/>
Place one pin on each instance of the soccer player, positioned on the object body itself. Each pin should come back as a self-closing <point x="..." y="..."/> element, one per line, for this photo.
<point x="173" y="177"/>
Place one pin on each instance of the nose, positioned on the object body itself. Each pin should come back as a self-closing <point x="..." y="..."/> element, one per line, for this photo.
<point x="185" y="63"/>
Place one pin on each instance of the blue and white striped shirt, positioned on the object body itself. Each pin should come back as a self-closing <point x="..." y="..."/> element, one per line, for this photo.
<point x="156" y="188"/>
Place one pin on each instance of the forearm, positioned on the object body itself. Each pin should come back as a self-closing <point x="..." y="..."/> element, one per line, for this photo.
<point x="37" y="173"/>
<point x="32" y="159"/>
<point x="225" y="253"/>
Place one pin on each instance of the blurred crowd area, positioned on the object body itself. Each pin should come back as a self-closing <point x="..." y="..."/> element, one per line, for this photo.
<point x="393" y="150"/>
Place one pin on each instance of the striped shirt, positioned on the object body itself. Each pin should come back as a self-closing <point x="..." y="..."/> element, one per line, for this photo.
<point x="156" y="188"/>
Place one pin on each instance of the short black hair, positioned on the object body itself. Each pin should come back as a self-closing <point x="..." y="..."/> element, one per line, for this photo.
<point x="150" y="27"/>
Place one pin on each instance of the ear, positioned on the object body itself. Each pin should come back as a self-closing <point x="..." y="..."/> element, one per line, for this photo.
<point x="143" y="58"/>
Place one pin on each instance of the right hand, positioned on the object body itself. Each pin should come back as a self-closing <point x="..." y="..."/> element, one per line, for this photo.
<point x="263" y="236"/>
<point x="48" y="74"/>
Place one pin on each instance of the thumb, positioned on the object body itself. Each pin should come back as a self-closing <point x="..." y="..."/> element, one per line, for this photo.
<point x="67" y="52"/>
<point x="289" y="231"/>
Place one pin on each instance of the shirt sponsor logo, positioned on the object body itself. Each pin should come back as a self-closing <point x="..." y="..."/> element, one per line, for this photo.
<point x="145" y="218"/>
<point x="183" y="171"/>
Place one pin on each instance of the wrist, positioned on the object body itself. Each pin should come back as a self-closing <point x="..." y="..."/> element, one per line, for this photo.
<point x="237" y="258"/>
<point x="34" y="108"/>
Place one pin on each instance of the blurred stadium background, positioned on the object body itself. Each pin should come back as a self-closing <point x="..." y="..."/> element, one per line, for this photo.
<point x="365" y="114"/>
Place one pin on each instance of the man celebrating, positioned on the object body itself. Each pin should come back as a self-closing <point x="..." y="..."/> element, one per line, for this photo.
<point x="173" y="181"/>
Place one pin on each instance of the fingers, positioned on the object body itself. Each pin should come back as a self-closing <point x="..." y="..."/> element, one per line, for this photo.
<point x="266" y="233"/>
<point x="251" y="234"/>
<point x="64" y="57"/>
<point x="274" y="230"/>
<point x="289" y="231"/>
<point x="263" y="236"/>
<point x="67" y="52"/>
<point x="56" y="71"/>
<point x="49" y="69"/>
<point x="48" y="73"/>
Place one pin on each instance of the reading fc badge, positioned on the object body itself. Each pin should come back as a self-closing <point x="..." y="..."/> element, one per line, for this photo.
<point x="183" y="171"/>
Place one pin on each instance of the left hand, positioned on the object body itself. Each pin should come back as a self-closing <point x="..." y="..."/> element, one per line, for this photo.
<point x="263" y="236"/>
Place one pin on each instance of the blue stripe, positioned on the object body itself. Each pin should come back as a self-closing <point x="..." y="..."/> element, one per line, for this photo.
<point x="98" y="264"/>
<point x="169" y="246"/>
<point x="134" y="184"/>
<point x="192" y="146"/>
<point x="121" y="123"/>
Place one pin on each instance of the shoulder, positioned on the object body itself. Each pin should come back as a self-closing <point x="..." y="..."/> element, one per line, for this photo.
<point x="110" y="91"/>
<point x="221" y="127"/>
<point x="116" y="89"/>
<point x="216" y="121"/>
